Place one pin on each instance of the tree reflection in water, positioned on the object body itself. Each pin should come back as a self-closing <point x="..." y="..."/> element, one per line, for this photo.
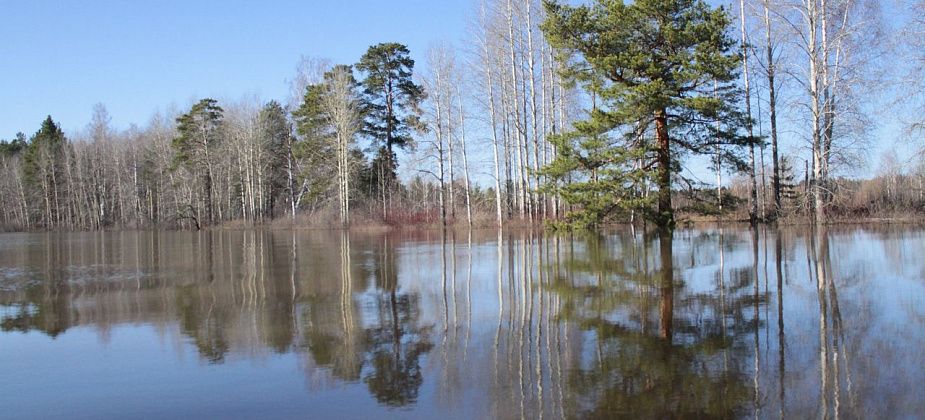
<point x="522" y="324"/>
<point x="662" y="365"/>
<point x="833" y="355"/>
<point x="395" y="343"/>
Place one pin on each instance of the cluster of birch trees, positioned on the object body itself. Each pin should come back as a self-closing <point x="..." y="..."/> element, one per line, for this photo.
<point x="526" y="100"/>
<point x="508" y="86"/>
<point x="243" y="160"/>
<point x="821" y="75"/>
<point x="204" y="166"/>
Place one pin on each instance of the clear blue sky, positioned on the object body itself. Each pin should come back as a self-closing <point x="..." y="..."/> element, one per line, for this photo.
<point x="62" y="57"/>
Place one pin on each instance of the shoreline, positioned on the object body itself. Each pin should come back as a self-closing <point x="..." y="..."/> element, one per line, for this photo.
<point x="367" y="227"/>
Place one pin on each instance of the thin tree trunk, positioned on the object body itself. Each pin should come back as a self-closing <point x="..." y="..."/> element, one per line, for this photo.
<point x="772" y="109"/>
<point x="719" y="164"/>
<point x="525" y="143"/>
<point x="290" y="182"/>
<point x="531" y="60"/>
<point x="753" y="193"/>
<point x="516" y="107"/>
<point x="462" y="129"/>
<point x="818" y="201"/>
<point x="826" y="133"/>
<point x="450" y="153"/>
<point x="440" y="156"/>
<point x="494" y="132"/>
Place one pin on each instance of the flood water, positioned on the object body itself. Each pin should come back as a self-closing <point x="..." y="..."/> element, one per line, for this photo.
<point x="707" y="323"/>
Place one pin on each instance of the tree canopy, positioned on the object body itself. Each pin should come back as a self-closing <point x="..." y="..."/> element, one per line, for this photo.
<point x="391" y="101"/>
<point x="661" y="74"/>
<point x="199" y="133"/>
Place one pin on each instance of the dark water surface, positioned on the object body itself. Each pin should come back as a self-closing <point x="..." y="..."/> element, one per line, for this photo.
<point x="267" y="324"/>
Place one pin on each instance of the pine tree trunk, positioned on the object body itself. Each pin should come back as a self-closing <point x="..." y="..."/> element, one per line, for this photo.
<point x="663" y="151"/>
<point x="719" y="163"/>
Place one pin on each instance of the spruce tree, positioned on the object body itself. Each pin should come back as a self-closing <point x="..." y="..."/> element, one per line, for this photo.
<point x="274" y="132"/>
<point x="43" y="168"/>
<point x="13" y="147"/>
<point x="660" y="73"/>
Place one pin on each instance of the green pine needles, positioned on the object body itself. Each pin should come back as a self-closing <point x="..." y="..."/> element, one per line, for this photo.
<point x="661" y="78"/>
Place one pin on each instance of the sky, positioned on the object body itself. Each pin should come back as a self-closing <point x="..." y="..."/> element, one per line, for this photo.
<point x="137" y="57"/>
<point x="62" y="57"/>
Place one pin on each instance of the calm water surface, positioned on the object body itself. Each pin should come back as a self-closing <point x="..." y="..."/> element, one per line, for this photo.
<point x="711" y="323"/>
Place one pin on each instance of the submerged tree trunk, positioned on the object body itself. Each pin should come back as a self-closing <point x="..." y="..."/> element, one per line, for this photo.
<point x="666" y="285"/>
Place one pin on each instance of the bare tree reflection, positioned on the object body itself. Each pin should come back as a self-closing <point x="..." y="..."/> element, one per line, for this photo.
<point x="833" y="354"/>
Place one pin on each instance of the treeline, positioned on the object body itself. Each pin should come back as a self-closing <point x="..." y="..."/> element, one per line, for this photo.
<point x="579" y="115"/>
<point x="244" y="161"/>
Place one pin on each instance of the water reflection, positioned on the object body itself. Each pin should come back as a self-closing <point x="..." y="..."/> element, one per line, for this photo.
<point x="711" y="323"/>
<point x="660" y="348"/>
<point x="832" y="354"/>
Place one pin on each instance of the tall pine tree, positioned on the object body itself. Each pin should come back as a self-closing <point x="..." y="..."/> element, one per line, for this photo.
<point x="660" y="74"/>
<point x="43" y="169"/>
<point x="274" y="131"/>
<point x="196" y="145"/>
<point x="391" y="103"/>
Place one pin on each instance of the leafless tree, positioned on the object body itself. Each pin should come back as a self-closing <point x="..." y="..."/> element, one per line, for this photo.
<point x="343" y="114"/>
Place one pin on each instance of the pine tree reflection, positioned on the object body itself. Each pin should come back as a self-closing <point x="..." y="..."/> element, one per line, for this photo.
<point x="202" y="316"/>
<point x="671" y="374"/>
<point x="666" y="285"/>
<point x="396" y="342"/>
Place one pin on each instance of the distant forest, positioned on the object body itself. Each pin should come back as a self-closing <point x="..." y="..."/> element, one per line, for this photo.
<point x="574" y="116"/>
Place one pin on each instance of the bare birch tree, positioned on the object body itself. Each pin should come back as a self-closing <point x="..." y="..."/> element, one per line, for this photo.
<point x="343" y="114"/>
